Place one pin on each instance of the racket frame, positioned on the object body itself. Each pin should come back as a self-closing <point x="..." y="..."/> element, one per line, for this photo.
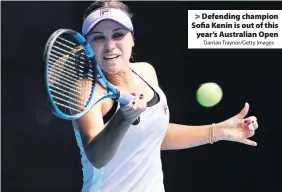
<point x="89" y="53"/>
<point x="112" y="92"/>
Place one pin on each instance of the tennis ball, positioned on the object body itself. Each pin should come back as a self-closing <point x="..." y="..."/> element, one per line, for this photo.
<point x="209" y="94"/>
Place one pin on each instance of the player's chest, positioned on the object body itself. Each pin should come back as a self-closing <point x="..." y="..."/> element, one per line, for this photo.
<point x="154" y="120"/>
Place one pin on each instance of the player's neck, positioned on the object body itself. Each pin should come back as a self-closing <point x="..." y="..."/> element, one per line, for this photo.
<point x="121" y="79"/>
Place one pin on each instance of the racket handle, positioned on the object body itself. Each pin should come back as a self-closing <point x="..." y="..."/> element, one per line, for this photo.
<point x="125" y="98"/>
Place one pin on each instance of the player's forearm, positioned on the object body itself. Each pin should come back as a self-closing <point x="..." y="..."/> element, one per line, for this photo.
<point x="183" y="136"/>
<point x="103" y="147"/>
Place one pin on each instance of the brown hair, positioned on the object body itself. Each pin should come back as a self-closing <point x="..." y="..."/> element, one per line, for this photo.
<point x="99" y="4"/>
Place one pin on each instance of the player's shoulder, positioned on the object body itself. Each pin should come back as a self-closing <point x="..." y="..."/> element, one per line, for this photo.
<point x="146" y="71"/>
<point x="144" y="66"/>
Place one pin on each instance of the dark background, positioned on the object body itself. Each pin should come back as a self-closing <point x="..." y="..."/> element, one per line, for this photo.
<point x="39" y="151"/>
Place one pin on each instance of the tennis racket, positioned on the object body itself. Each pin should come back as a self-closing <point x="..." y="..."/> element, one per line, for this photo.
<point x="71" y="76"/>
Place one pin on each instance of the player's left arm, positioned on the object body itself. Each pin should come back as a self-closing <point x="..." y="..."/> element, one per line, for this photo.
<point x="237" y="128"/>
<point x="186" y="136"/>
<point x="180" y="136"/>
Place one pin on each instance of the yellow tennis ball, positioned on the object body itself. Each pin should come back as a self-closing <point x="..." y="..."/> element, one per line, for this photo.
<point x="209" y="94"/>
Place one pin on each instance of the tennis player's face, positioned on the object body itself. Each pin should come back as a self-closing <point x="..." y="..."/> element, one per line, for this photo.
<point x="112" y="45"/>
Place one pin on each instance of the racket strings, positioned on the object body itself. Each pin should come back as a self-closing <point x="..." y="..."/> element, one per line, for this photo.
<point x="70" y="75"/>
<point x="64" y="77"/>
<point x="63" y="58"/>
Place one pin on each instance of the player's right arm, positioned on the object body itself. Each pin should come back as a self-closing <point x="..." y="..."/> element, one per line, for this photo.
<point x="101" y="142"/>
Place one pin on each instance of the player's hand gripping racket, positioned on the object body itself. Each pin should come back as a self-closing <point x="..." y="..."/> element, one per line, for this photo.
<point x="71" y="75"/>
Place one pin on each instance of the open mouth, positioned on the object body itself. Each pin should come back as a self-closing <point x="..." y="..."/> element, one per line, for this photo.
<point x="111" y="57"/>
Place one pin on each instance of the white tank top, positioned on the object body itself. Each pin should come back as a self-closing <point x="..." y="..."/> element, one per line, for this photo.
<point x="136" y="166"/>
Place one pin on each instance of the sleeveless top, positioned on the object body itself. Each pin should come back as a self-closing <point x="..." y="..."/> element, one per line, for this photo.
<point x="136" y="166"/>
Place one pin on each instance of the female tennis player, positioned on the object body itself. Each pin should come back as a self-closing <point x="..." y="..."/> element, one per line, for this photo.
<point x="120" y="145"/>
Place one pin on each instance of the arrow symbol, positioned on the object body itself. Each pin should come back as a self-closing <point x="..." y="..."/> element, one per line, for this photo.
<point x="197" y="16"/>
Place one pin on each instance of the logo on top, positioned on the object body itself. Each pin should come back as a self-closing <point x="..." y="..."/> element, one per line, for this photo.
<point x="165" y="108"/>
<point x="105" y="11"/>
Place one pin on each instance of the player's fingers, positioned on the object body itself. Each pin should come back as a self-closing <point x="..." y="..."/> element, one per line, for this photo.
<point x="255" y="124"/>
<point x="133" y="102"/>
<point x="247" y="142"/>
<point x="139" y="104"/>
<point x="251" y="133"/>
<point x="250" y="119"/>
<point x="134" y="108"/>
<point x="250" y="123"/>
<point x="251" y="127"/>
